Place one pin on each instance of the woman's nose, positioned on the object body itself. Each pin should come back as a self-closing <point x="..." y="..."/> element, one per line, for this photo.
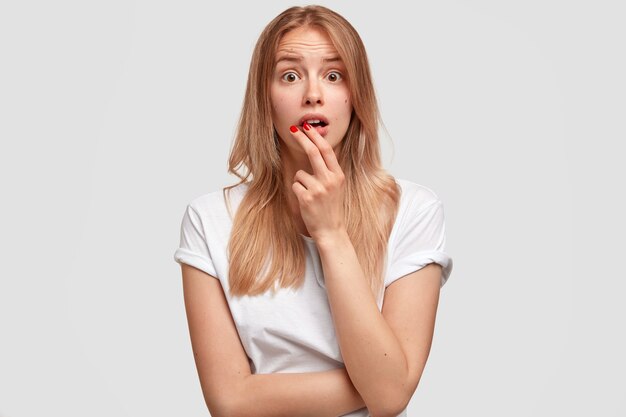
<point x="313" y="93"/>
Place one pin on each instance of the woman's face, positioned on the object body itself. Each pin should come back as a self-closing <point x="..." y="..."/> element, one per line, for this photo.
<point x="309" y="79"/>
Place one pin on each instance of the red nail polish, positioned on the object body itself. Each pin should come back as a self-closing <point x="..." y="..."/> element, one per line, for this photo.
<point x="306" y="126"/>
<point x="293" y="129"/>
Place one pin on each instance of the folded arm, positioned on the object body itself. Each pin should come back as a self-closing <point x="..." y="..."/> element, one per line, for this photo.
<point x="229" y="387"/>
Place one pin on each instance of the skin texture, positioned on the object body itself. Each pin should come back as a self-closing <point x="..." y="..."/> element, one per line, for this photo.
<point x="308" y="86"/>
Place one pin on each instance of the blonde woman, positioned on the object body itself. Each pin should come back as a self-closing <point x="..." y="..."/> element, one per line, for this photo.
<point x="291" y="277"/>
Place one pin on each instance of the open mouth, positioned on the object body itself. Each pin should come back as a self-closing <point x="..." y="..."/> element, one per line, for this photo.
<point x="316" y="124"/>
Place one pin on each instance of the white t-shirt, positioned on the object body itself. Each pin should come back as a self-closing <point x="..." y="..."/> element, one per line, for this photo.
<point x="292" y="331"/>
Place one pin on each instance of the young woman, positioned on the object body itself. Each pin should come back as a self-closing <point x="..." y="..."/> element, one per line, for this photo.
<point x="285" y="274"/>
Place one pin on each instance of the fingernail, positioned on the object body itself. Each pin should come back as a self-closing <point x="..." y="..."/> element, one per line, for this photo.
<point x="306" y="126"/>
<point x="293" y="129"/>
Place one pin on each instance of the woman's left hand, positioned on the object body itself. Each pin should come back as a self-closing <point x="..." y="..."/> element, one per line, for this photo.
<point x="320" y="195"/>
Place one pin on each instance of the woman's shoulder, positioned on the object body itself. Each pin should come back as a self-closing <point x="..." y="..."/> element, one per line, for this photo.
<point x="415" y="194"/>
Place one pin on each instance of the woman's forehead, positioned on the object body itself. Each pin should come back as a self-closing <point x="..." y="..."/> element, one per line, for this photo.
<point x="307" y="38"/>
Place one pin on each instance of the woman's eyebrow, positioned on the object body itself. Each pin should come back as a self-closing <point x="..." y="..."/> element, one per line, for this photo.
<point x="298" y="58"/>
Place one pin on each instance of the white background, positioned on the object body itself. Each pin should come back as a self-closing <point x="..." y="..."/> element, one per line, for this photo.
<point x="115" y="114"/>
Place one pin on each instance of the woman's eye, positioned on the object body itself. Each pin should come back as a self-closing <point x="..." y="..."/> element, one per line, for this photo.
<point x="337" y="76"/>
<point x="292" y="76"/>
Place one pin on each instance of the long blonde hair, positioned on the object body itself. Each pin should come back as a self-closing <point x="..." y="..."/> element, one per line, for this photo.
<point x="265" y="248"/>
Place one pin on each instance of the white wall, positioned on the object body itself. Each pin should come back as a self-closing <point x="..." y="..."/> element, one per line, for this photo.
<point x="115" y="114"/>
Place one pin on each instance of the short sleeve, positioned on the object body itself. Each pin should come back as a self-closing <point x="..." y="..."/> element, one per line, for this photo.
<point x="193" y="249"/>
<point x="420" y="241"/>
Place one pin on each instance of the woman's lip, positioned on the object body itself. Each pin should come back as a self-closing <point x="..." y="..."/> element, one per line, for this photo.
<point x="302" y="124"/>
<point x="323" y="131"/>
<point x="320" y="118"/>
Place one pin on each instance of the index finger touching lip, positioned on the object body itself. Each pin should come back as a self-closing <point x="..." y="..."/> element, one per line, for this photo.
<point x="310" y="148"/>
<point x="326" y="150"/>
<point x="294" y="129"/>
<point x="297" y="132"/>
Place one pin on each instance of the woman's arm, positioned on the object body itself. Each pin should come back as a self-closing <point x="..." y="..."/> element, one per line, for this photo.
<point x="372" y="353"/>
<point x="315" y="394"/>
<point x="229" y="387"/>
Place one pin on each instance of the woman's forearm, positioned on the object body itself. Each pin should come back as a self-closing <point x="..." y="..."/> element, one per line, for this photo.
<point x="315" y="394"/>
<point x="371" y="352"/>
